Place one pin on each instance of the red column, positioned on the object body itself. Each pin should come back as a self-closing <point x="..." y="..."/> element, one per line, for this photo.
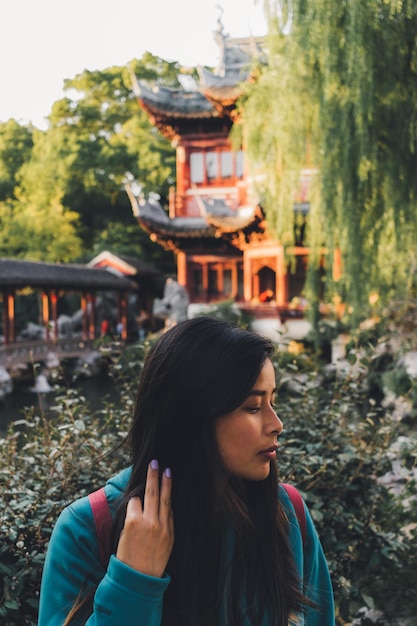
<point x="205" y="281"/>
<point x="182" y="270"/>
<point x="281" y="294"/>
<point x="123" y="319"/>
<point x="91" y="324"/>
<point x="54" y="300"/>
<point x="247" y="278"/>
<point x="8" y="316"/>
<point x="45" y="313"/>
<point x="84" y="321"/>
<point x="235" y="282"/>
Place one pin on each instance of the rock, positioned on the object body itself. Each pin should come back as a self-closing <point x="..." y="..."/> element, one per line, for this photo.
<point x="65" y="325"/>
<point x="41" y="385"/>
<point x="6" y="383"/>
<point x="368" y="617"/>
<point x="33" y="332"/>
<point x="409" y="362"/>
<point x="90" y="364"/>
<point x="173" y="306"/>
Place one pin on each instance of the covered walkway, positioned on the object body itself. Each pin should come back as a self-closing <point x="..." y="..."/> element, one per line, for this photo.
<point x="53" y="281"/>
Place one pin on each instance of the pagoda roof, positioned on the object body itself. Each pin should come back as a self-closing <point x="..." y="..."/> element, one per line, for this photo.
<point x="213" y="96"/>
<point x="153" y="218"/>
<point x="216" y="219"/>
<point x="175" y="103"/>
<point x="220" y="90"/>
<point x="219" y="215"/>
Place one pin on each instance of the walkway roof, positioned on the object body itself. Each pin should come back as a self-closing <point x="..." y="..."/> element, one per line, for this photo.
<point x="18" y="273"/>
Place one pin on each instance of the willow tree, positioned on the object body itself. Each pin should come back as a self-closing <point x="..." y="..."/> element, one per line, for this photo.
<point x="338" y="94"/>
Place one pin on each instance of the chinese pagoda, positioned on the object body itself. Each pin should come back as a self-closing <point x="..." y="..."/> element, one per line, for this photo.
<point x="215" y="223"/>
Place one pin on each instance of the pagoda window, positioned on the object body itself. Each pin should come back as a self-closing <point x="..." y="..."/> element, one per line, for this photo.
<point x="227" y="164"/>
<point x="216" y="166"/>
<point x="240" y="165"/>
<point x="197" y="167"/>
<point x="212" y="165"/>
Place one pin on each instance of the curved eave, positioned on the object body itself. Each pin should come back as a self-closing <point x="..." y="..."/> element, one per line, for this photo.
<point x="174" y="103"/>
<point x="173" y="230"/>
<point x="231" y="224"/>
<point x="209" y="80"/>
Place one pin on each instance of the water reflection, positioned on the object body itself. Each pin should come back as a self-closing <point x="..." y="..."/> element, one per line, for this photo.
<point x="97" y="390"/>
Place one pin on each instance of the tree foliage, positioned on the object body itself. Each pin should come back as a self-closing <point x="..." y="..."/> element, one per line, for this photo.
<point x="107" y="135"/>
<point x="34" y="223"/>
<point x="16" y="143"/>
<point x="339" y="96"/>
<point x="61" y="190"/>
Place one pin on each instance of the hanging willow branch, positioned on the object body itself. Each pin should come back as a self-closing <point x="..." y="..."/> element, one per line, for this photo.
<point x="339" y="93"/>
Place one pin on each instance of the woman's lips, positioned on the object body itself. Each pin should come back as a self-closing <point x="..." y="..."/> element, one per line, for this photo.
<point x="270" y="453"/>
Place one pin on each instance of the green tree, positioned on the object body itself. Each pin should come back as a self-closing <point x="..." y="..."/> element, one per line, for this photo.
<point x="35" y="224"/>
<point x="339" y="94"/>
<point x="62" y="195"/>
<point x="105" y="134"/>
<point x="15" y="147"/>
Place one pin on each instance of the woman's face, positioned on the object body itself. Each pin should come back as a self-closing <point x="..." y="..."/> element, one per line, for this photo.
<point x="248" y="437"/>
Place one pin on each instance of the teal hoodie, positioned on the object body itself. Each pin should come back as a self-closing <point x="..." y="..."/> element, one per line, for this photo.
<point x="125" y="596"/>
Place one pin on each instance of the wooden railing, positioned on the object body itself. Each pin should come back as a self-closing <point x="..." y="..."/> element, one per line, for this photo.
<point x="37" y="351"/>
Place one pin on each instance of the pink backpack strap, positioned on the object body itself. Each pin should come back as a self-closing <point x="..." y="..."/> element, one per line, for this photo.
<point x="102" y="521"/>
<point x="298" y="505"/>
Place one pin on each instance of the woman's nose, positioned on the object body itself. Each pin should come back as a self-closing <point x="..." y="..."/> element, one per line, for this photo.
<point x="276" y="426"/>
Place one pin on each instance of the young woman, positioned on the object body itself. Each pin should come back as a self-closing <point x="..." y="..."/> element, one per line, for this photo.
<point x="202" y="534"/>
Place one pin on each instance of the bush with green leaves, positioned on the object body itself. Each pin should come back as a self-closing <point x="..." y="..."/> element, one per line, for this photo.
<point x="336" y="447"/>
<point x="337" y="442"/>
<point x="46" y="461"/>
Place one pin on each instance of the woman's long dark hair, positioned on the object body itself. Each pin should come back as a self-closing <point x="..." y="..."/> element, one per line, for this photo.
<point x="197" y="371"/>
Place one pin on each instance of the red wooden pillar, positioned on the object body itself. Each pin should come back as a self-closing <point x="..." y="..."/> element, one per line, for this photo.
<point x="11" y="314"/>
<point x="45" y="313"/>
<point x="54" y="300"/>
<point x="337" y="265"/>
<point x="256" y="288"/>
<point x="84" y="320"/>
<point x="91" y="324"/>
<point x="220" y="277"/>
<point x="122" y="313"/>
<point x="8" y="316"/>
<point x="281" y="277"/>
<point x="235" y="281"/>
<point x="247" y="278"/>
<point x="205" y="282"/>
<point x="182" y="270"/>
<point x="123" y="318"/>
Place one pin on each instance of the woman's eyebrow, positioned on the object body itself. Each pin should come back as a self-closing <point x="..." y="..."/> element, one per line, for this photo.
<point x="259" y="392"/>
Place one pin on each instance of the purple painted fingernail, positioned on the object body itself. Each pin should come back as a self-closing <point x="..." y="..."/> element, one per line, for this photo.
<point x="154" y="464"/>
<point x="168" y="472"/>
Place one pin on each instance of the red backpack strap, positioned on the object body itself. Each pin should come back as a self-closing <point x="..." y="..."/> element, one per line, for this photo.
<point x="102" y="521"/>
<point x="298" y="505"/>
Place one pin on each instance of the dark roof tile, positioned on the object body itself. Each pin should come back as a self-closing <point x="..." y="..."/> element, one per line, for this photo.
<point x="18" y="273"/>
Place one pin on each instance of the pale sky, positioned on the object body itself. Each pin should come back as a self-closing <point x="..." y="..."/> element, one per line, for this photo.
<point x="43" y="42"/>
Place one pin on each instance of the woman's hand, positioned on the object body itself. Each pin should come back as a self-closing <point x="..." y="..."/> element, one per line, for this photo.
<point x="147" y="537"/>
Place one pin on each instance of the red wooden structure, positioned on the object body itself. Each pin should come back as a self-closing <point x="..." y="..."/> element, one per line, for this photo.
<point x="215" y="223"/>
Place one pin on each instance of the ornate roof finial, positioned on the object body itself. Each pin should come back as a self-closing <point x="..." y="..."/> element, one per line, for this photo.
<point x="219" y="19"/>
<point x="220" y="37"/>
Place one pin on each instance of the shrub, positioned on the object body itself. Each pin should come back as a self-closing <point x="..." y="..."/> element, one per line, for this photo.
<point x="45" y="463"/>
<point x="337" y="444"/>
<point x="336" y="447"/>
